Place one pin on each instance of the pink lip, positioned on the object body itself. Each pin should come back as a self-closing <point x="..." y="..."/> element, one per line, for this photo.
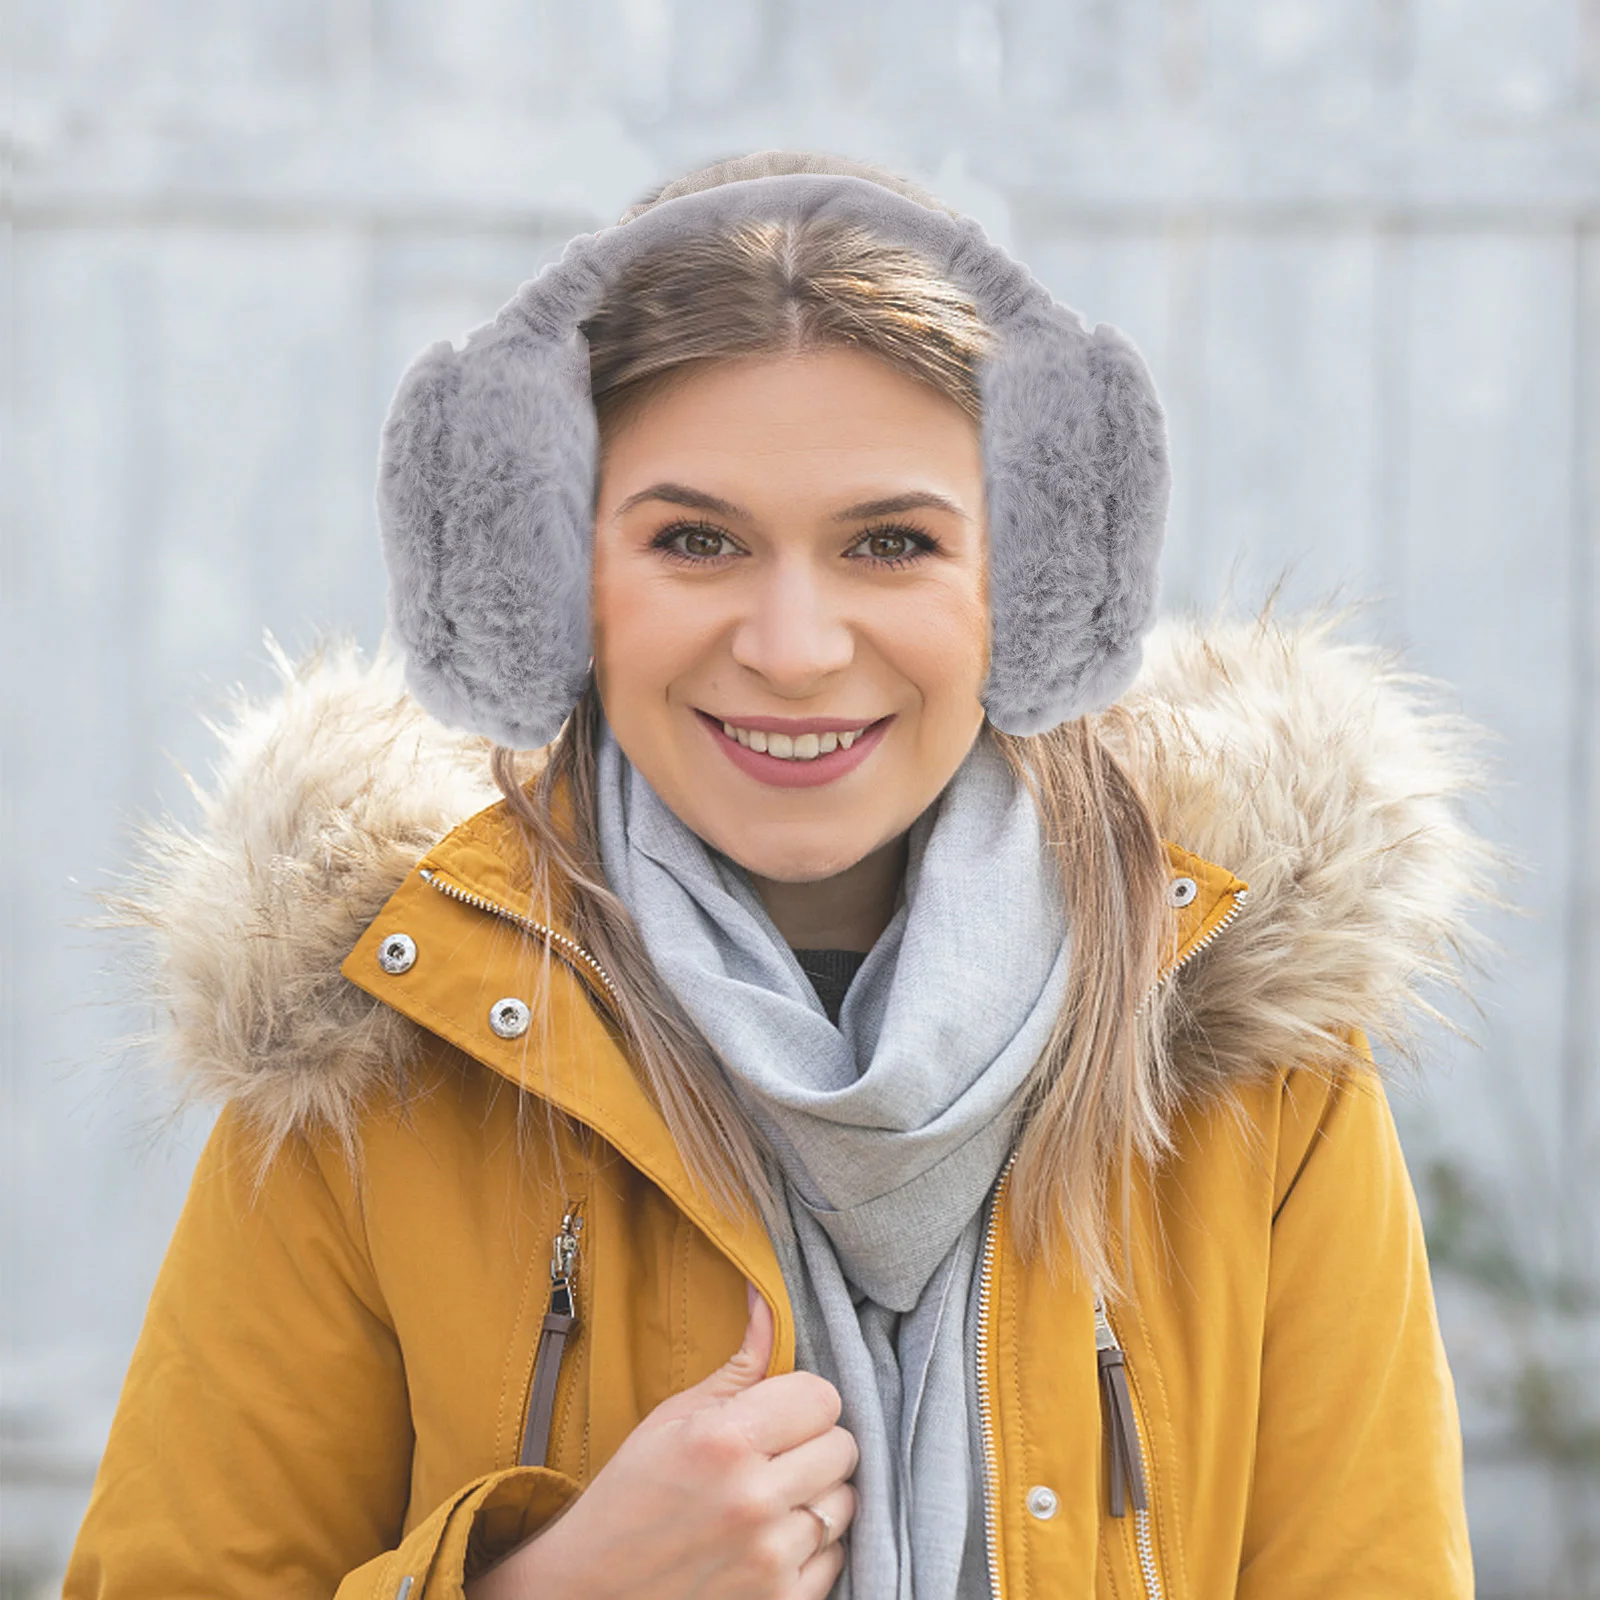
<point x="781" y="774"/>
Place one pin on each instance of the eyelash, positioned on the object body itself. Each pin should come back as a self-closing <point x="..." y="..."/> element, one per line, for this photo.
<point x="922" y="543"/>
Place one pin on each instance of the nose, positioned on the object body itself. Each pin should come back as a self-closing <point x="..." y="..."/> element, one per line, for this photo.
<point x="791" y="631"/>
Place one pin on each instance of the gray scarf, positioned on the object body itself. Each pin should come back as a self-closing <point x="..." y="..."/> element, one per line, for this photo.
<point x="889" y="1130"/>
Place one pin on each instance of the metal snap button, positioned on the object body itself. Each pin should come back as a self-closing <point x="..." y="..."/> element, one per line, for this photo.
<point x="1042" y="1502"/>
<point x="1182" y="890"/>
<point x="397" y="953"/>
<point x="509" y="1018"/>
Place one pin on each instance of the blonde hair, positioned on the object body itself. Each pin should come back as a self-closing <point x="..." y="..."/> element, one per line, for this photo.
<point x="1096" y="1099"/>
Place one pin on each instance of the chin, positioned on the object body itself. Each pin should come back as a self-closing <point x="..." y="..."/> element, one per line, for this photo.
<point x="790" y="860"/>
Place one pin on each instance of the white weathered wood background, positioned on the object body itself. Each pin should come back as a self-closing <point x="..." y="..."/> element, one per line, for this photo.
<point x="1357" y="240"/>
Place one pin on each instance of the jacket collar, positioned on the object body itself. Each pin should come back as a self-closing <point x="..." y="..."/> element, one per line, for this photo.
<point x="456" y="908"/>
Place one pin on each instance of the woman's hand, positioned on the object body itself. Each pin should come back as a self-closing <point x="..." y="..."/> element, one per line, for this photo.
<point x="705" y="1499"/>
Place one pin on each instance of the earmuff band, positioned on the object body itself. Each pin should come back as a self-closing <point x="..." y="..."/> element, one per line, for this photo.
<point x="487" y="476"/>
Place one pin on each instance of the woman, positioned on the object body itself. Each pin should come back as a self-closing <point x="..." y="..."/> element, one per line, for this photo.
<point x="861" y="1113"/>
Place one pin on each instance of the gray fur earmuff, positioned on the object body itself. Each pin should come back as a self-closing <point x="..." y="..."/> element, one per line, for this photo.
<point x="487" y="476"/>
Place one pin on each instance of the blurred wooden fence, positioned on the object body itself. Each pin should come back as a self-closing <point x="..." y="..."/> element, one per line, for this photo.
<point x="1357" y="242"/>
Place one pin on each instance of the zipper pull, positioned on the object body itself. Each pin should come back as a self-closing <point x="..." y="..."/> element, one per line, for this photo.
<point x="559" y="1321"/>
<point x="1126" y="1464"/>
<point x="564" y="1260"/>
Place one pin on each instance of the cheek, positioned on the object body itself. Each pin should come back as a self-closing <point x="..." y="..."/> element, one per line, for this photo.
<point x="944" y="649"/>
<point x="620" y="607"/>
<point x="627" y="649"/>
<point x="640" y="638"/>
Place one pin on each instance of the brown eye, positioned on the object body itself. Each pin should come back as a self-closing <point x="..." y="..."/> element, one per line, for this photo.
<point x="695" y="544"/>
<point x="701" y="543"/>
<point x="892" y="546"/>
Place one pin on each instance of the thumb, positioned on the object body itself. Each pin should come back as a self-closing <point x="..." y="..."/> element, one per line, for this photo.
<point x="747" y="1366"/>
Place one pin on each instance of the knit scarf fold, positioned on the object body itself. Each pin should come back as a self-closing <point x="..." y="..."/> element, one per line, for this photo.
<point x="888" y="1131"/>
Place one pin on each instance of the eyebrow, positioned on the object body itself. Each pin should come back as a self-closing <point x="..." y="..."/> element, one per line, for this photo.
<point x="678" y="494"/>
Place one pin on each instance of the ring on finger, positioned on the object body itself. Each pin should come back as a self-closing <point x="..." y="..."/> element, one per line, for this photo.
<point x="824" y="1526"/>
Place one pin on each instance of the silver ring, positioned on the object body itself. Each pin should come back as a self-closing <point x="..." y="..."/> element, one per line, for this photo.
<point x="826" y="1523"/>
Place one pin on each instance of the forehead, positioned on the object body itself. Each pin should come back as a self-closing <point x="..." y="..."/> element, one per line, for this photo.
<point x="832" y="420"/>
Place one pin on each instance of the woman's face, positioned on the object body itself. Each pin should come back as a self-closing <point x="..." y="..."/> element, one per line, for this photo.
<point x="793" y="548"/>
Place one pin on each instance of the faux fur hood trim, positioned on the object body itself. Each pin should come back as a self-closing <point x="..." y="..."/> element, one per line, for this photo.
<point x="1330" y="778"/>
<point x="1317" y="770"/>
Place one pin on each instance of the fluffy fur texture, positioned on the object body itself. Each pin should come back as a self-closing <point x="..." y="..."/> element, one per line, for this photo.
<point x="1316" y="770"/>
<point x="1329" y="778"/>
<point x="324" y="798"/>
<point x="487" y="473"/>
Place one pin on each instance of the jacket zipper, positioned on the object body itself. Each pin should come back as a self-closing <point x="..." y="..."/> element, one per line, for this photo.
<point x="1122" y="1426"/>
<point x="561" y="1315"/>
<point x="560" y="1321"/>
<point x="991" y="1487"/>
<point x="1126" y="1449"/>
<point x="569" y="949"/>
<point x="1126" y="1466"/>
<point x="1239" y="898"/>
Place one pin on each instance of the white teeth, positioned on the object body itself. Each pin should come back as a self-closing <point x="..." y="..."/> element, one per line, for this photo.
<point x="791" y="747"/>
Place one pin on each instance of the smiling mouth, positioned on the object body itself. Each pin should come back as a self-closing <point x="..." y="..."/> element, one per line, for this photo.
<point x="797" y="747"/>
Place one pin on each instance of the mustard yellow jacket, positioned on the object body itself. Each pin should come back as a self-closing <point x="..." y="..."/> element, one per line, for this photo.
<point x="332" y="1388"/>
